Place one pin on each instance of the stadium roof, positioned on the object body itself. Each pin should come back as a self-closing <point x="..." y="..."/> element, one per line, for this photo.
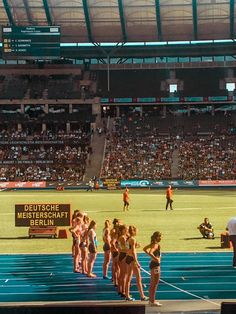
<point x="126" y="20"/>
<point x="131" y="28"/>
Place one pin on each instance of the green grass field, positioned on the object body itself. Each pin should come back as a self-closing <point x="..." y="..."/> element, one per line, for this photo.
<point x="147" y="212"/>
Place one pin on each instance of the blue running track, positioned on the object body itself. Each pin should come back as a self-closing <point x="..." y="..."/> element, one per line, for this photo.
<point x="185" y="276"/>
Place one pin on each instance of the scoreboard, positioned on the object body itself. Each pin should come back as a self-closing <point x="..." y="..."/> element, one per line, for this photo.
<point x="31" y="42"/>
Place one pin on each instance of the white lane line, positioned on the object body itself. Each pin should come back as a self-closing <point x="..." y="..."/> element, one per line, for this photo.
<point x="184" y="291"/>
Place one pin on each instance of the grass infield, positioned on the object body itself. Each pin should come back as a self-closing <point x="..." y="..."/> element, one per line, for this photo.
<point x="147" y="212"/>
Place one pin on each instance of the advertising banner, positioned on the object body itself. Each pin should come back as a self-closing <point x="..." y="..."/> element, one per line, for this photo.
<point x="12" y="184"/>
<point x="41" y="215"/>
<point x="157" y="183"/>
<point x="135" y="183"/>
<point x="111" y="184"/>
<point x="217" y="182"/>
<point x="174" y="183"/>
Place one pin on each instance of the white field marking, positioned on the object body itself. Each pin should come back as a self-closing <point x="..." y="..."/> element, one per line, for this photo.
<point x="197" y="270"/>
<point x="163" y="209"/>
<point x="187" y="208"/>
<point x="6" y="214"/>
<point x="184" y="291"/>
<point x="146" y="209"/>
<point x="226" y="207"/>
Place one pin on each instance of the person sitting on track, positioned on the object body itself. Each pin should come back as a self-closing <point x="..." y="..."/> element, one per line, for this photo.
<point x="206" y="229"/>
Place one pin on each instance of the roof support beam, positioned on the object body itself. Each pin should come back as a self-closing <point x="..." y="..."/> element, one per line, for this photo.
<point x="122" y="20"/>
<point x="47" y="12"/>
<point x="195" y="24"/>
<point x="232" y="19"/>
<point x="29" y="17"/>
<point x="158" y="19"/>
<point x="8" y="12"/>
<point x="87" y="20"/>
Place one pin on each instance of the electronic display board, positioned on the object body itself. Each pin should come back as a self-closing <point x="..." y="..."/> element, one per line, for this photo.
<point x="31" y="42"/>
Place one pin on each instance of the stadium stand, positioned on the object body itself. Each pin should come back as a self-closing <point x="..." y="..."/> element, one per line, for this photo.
<point x="107" y="93"/>
<point x="143" y="148"/>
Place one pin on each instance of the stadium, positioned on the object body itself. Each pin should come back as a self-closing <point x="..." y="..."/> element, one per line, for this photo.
<point x="99" y="99"/>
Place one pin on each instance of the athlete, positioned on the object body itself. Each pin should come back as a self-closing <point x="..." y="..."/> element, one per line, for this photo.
<point x="84" y="243"/>
<point x="122" y="248"/>
<point x="169" y="195"/>
<point x="73" y="224"/>
<point x="133" y="266"/>
<point x="153" y="250"/>
<point x="76" y="231"/>
<point x="126" y="199"/>
<point x="106" y="248"/>
<point x="92" y="248"/>
<point x="114" y="251"/>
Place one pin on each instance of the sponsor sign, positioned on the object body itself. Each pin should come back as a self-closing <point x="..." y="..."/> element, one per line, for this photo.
<point x="176" y="183"/>
<point x="193" y="99"/>
<point x="12" y="184"/>
<point x="111" y="183"/>
<point x="170" y="99"/>
<point x="42" y="215"/>
<point x="147" y="99"/>
<point x="135" y="183"/>
<point x="218" y="98"/>
<point x="158" y="183"/>
<point x="217" y="182"/>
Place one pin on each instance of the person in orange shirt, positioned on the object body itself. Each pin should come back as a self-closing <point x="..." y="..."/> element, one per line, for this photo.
<point x="169" y="195"/>
<point x="126" y="199"/>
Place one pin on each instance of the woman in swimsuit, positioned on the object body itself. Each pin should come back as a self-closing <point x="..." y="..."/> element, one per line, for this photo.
<point x="84" y="244"/>
<point x="133" y="266"/>
<point x="153" y="250"/>
<point x="114" y="251"/>
<point x="92" y="248"/>
<point x="106" y="248"/>
<point x="122" y="248"/>
<point x="76" y="230"/>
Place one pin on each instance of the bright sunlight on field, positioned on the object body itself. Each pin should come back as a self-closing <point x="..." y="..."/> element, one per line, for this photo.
<point x="147" y="212"/>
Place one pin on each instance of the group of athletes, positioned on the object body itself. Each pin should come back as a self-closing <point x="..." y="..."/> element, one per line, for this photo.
<point x="119" y="247"/>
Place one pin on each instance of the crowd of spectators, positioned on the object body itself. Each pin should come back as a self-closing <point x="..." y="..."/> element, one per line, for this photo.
<point x="67" y="154"/>
<point x="49" y="155"/>
<point x="70" y="173"/>
<point x="208" y="158"/>
<point x="81" y="134"/>
<point x="137" y="150"/>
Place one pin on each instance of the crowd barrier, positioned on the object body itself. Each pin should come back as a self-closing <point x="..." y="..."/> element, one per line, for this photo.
<point x="119" y="184"/>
